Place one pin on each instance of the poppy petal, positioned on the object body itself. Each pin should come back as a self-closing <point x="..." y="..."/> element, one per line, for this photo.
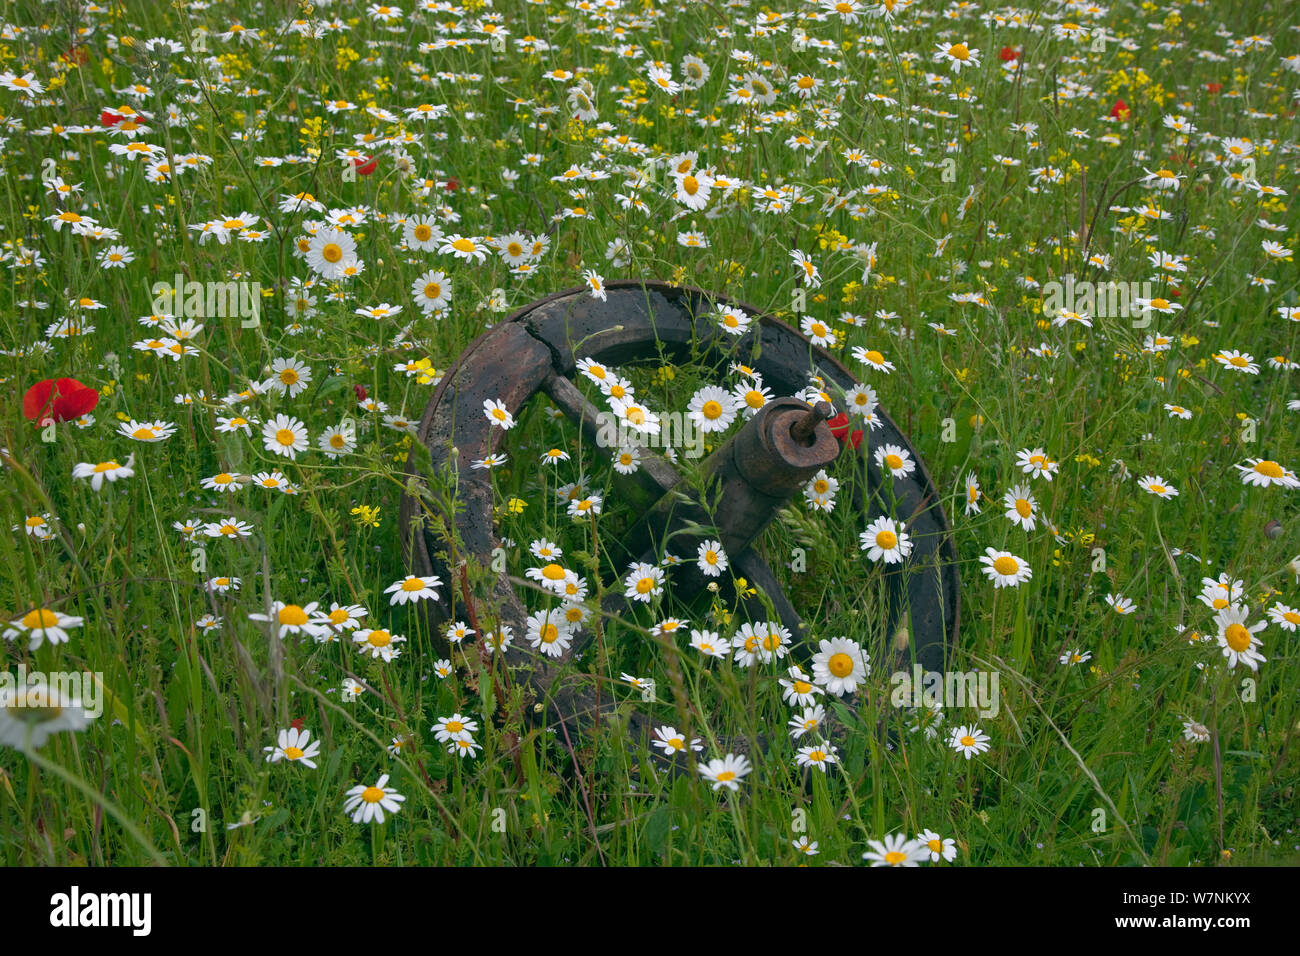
<point x="36" y="402"/>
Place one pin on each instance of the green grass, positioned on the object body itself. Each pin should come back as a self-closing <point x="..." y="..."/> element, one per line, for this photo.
<point x="1087" y="764"/>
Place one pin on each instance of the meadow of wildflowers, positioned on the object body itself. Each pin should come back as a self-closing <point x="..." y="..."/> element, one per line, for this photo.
<point x="244" y="241"/>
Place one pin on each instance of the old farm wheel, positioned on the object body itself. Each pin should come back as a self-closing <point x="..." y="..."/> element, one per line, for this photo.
<point x="747" y="480"/>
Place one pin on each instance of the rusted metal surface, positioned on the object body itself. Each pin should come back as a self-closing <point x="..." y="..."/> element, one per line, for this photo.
<point x="534" y="351"/>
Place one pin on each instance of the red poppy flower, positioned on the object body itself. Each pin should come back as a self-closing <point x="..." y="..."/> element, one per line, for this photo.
<point x="1120" y="110"/>
<point x="64" y="400"/>
<point x="360" y="391"/>
<point x="452" y="184"/>
<point x="1213" y="88"/>
<point x="109" y="118"/>
<point x="296" y="723"/>
<point x="840" y="429"/>
<point x="364" y="166"/>
<point x="1007" y="53"/>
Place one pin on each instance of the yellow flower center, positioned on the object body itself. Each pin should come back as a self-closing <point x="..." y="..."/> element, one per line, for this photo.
<point x="379" y="638"/>
<point x="463" y="245"/>
<point x="712" y="410"/>
<point x="292" y="615"/>
<point x="886" y="540"/>
<point x="553" y="572"/>
<point x="1238" y="638"/>
<point x="645" y="586"/>
<point x="422" y="232"/>
<point x="840" y="664"/>
<point x="288" y="376"/>
<point x="413" y="584"/>
<point x="1023" y="509"/>
<point x="1270" y="469"/>
<point x="895" y="857"/>
<point x="549" y="633"/>
<point x="40" y="619"/>
<point x="959" y="51"/>
<point x="332" y="252"/>
<point x="893" y="462"/>
<point x="144" y="433"/>
<point x="293" y="753"/>
<point x="285" y="436"/>
<point x="339" y="616"/>
<point x="690" y="185"/>
<point x="726" y="776"/>
<point x="372" y="795"/>
<point x="1006" y="565"/>
<point x="968" y="741"/>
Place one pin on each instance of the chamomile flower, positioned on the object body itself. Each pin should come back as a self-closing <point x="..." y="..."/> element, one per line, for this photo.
<point x="413" y="588"/>
<point x="643" y="582"/>
<point x="799" y="690"/>
<point x="31" y="713"/>
<point x="671" y="742"/>
<point x="1035" y="462"/>
<point x="806" y="721"/>
<point x="816" y="755"/>
<point x="1004" y="569"/>
<point x="497" y="414"/>
<point x="109" y="471"/>
<point x="840" y="665"/>
<point x="709" y="643"/>
<point x="1236" y="640"/>
<point x="42" y="625"/>
<point x="1285" y="616"/>
<point x="1022" y="507"/>
<point x="972" y="494"/>
<point x="368" y="804"/>
<point x="968" y="740"/>
<point x="291" y="619"/>
<point x="548" y="632"/>
<point x="872" y="358"/>
<point x="711" y="559"/>
<point x="294" y="745"/>
<point x="712" y="408"/>
<point x="819" y="493"/>
<point x="726" y="771"/>
<point x="283" y="435"/>
<point x="938" y="847"/>
<point x="896" y="850"/>
<point x="885" y="540"/>
<point x="1156" y="485"/>
<point x="897" y="461"/>
<point x="1263" y="472"/>
<point x="380" y="643"/>
<point x="1120" y="604"/>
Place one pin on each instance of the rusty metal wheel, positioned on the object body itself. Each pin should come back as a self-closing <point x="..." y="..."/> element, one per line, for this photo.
<point x="535" y="352"/>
